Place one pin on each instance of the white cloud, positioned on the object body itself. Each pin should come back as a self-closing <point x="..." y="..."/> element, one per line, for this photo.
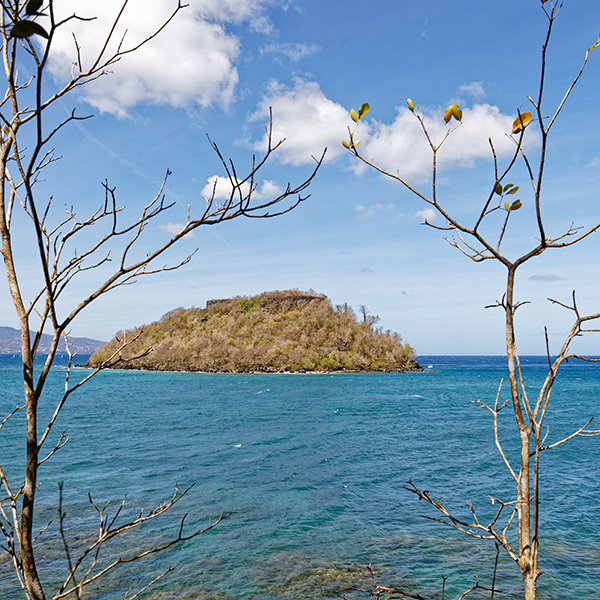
<point x="191" y="62"/>
<point x="306" y="118"/>
<point x="474" y="89"/>
<point x="222" y="189"/>
<point x="294" y="52"/>
<point x="370" y="212"/>
<point x="309" y="121"/>
<point x="427" y="214"/>
<point x="174" y="228"/>
<point x="236" y="11"/>
<point x="401" y="146"/>
<point x="268" y="189"/>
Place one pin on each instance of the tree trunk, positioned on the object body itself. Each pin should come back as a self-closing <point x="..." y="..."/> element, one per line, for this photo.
<point x="527" y="553"/>
<point x="32" y="580"/>
<point x="529" y="581"/>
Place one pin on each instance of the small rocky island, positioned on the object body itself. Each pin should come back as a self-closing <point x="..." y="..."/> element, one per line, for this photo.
<point x="288" y="331"/>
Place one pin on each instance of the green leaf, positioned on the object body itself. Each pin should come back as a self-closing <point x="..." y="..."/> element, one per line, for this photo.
<point x="33" y="6"/>
<point x="508" y="186"/>
<point x="411" y="106"/>
<point x="514" y="190"/>
<point x="363" y="110"/>
<point x="516" y="205"/>
<point x="345" y="144"/>
<point x="354" y="116"/>
<point x="25" y="29"/>
<point x="498" y="189"/>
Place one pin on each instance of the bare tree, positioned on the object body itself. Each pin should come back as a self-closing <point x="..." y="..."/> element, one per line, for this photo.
<point x="368" y="320"/>
<point x="479" y="239"/>
<point x="113" y="247"/>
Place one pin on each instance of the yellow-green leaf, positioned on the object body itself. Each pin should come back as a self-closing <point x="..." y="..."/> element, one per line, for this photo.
<point x="354" y="115"/>
<point x="498" y="189"/>
<point x="452" y="111"/>
<point x="513" y="190"/>
<point x="411" y="106"/>
<point x="363" y="110"/>
<point x="508" y="186"/>
<point x="521" y="122"/>
<point x="507" y="206"/>
<point x="448" y="114"/>
<point x="356" y="144"/>
<point x="345" y="144"/>
<point x="516" y="205"/>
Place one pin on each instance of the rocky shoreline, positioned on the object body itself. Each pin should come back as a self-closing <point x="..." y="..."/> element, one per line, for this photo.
<point x="414" y="367"/>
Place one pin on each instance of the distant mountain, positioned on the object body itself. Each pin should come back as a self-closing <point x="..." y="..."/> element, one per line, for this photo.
<point x="272" y="332"/>
<point x="10" y="343"/>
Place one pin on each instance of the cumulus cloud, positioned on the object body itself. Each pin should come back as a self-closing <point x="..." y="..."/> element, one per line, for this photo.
<point x="191" y="62"/>
<point x="402" y="146"/>
<point x="306" y="118"/>
<point x="427" y="214"/>
<point x="371" y="211"/>
<point x="221" y="186"/>
<point x="294" y="52"/>
<point x="236" y="11"/>
<point x="309" y="121"/>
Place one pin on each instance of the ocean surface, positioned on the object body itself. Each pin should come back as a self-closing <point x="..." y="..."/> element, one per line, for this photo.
<point x="311" y="468"/>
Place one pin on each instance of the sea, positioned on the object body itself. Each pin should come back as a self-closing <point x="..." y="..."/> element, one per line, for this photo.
<point x="312" y="469"/>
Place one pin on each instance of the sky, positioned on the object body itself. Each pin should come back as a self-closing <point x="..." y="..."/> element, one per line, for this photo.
<point x="219" y="67"/>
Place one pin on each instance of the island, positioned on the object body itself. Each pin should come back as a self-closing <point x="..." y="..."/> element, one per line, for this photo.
<point x="274" y="332"/>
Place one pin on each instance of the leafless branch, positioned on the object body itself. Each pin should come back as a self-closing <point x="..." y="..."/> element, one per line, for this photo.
<point x="581" y="432"/>
<point x="495" y="411"/>
<point x="128" y="597"/>
<point x="109" y="530"/>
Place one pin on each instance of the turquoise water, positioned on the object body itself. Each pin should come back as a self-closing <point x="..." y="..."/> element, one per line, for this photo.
<point x="311" y="468"/>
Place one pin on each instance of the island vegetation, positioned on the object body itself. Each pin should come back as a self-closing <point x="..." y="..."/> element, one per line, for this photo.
<point x="273" y="332"/>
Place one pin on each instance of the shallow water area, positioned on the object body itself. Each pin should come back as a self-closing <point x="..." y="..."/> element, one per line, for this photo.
<point x="311" y="468"/>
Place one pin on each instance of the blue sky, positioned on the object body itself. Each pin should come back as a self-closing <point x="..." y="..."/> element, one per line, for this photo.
<point x="358" y="239"/>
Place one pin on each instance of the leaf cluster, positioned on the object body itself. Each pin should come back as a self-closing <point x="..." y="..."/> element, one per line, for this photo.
<point x="26" y="27"/>
<point x="272" y="332"/>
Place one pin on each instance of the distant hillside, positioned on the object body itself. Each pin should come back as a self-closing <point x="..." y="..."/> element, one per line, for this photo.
<point x="10" y="343"/>
<point x="272" y="332"/>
